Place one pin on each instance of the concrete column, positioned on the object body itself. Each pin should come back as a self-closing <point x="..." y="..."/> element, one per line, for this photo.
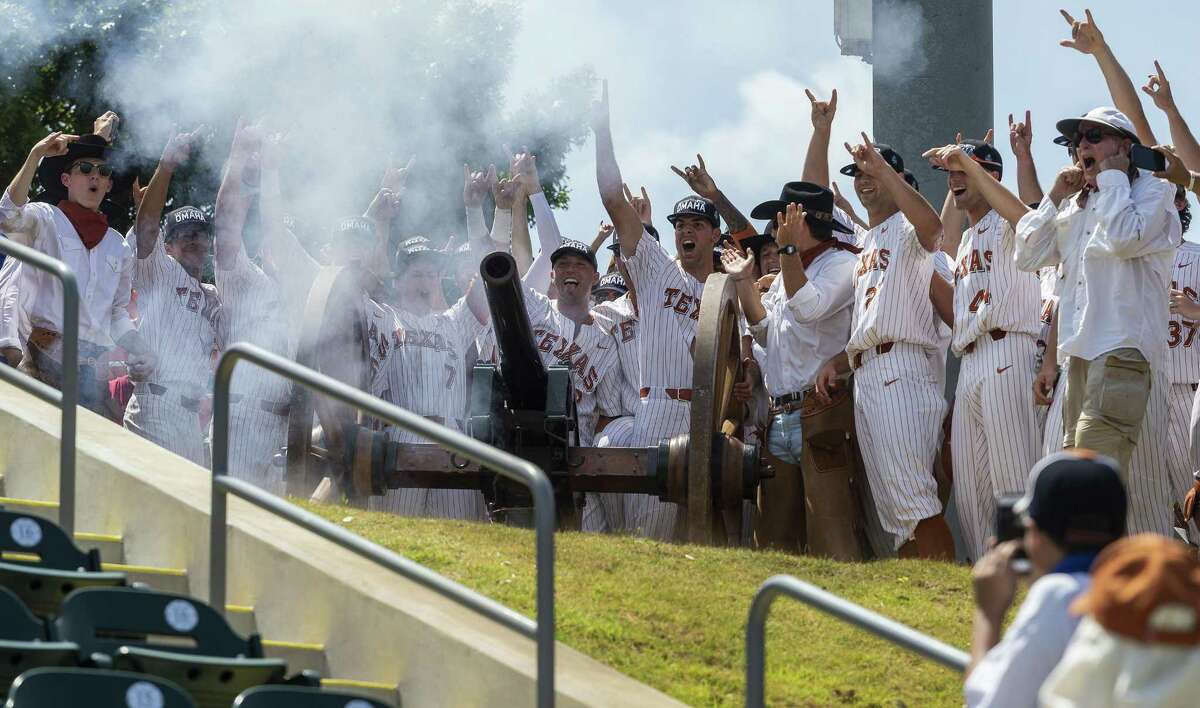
<point x="932" y="78"/>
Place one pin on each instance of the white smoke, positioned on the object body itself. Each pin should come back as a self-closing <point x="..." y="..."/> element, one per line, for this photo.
<point x="899" y="39"/>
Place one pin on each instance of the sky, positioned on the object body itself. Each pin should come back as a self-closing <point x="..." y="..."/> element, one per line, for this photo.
<point x="727" y="80"/>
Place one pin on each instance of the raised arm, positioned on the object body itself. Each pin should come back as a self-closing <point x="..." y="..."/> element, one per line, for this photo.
<point x="608" y="179"/>
<point x="150" y="208"/>
<point x="1007" y="204"/>
<point x="915" y="208"/>
<point x="841" y="202"/>
<point x="475" y="185"/>
<point x="816" y="160"/>
<point x="233" y="202"/>
<point x="1020" y="139"/>
<point x="52" y="145"/>
<point x="954" y="222"/>
<point x="1159" y="90"/>
<point x="1086" y="38"/>
<point x="602" y="235"/>
<point x="702" y="183"/>
<point x="741" y="270"/>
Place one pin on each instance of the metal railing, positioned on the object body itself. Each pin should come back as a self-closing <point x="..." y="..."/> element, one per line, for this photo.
<point x="510" y="466"/>
<point x="68" y="397"/>
<point x="861" y="617"/>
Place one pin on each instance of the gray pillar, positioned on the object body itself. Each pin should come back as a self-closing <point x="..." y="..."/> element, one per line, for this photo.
<point x="932" y="78"/>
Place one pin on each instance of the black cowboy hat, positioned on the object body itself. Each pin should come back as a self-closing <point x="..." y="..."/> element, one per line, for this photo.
<point x="816" y="200"/>
<point x="49" y="172"/>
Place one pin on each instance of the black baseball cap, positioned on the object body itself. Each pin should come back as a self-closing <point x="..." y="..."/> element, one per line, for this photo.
<point x="182" y="220"/>
<point x="577" y="248"/>
<point x="354" y="226"/>
<point x="1077" y="498"/>
<point x="981" y="152"/>
<point x="911" y="179"/>
<point x="695" y="206"/>
<point x="611" y="281"/>
<point x="889" y="155"/>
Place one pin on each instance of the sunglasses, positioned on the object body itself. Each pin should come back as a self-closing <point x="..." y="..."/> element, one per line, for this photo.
<point x="85" y="168"/>
<point x="1093" y="135"/>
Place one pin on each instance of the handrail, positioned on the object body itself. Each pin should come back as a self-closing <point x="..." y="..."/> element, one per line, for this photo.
<point x="510" y="466"/>
<point x="880" y="626"/>
<point x="68" y="397"/>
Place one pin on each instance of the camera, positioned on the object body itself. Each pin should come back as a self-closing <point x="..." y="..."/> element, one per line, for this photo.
<point x="1010" y="528"/>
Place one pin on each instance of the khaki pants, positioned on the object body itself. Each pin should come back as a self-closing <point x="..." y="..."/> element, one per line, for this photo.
<point x="1105" y="403"/>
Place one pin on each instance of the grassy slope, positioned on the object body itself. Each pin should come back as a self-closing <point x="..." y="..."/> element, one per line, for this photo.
<point x="674" y="616"/>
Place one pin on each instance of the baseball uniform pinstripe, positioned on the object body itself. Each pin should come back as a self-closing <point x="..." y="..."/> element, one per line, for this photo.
<point x="898" y="407"/>
<point x="417" y="364"/>
<point x="1048" y="302"/>
<point x="179" y="322"/>
<point x="1183" y="367"/>
<point x="668" y="307"/>
<point x="943" y="265"/>
<point x="995" y="440"/>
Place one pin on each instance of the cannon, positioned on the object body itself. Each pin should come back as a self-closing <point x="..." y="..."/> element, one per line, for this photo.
<point x="527" y="409"/>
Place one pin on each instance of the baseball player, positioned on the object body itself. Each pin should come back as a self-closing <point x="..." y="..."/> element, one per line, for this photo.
<point x="1183" y="364"/>
<point x="180" y="316"/>
<point x="669" y="293"/>
<point x="898" y="405"/>
<point x="995" y="438"/>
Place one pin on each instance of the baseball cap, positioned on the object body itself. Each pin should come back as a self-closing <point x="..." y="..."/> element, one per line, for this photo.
<point x="1076" y="497"/>
<point x="612" y="281"/>
<point x="1104" y="115"/>
<point x="911" y="179"/>
<point x="695" y="206"/>
<point x="981" y="152"/>
<point x="183" y="219"/>
<point x="577" y="248"/>
<point x="1145" y="588"/>
<point x="889" y="154"/>
<point x="354" y="226"/>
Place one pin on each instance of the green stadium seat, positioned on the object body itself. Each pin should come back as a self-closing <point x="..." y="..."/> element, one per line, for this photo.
<point x="24" y="641"/>
<point x="95" y="688"/>
<point x="167" y="635"/>
<point x="302" y="697"/>
<point x="44" y="589"/>
<point x="25" y="534"/>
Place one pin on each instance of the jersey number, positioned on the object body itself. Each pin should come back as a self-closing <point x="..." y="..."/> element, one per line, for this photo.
<point x="869" y="297"/>
<point x="980" y="298"/>
<point x="1176" y="337"/>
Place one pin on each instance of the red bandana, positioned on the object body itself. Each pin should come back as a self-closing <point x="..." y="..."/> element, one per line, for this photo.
<point x="807" y="257"/>
<point x="91" y="225"/>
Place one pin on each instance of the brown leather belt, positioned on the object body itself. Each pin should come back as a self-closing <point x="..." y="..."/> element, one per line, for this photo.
<point x="89" y="354"/>
<point x="787" y="402"/>
<point x="995" y="334"/>
<point x="879" y="349"/>
<point x="678" y="394"/>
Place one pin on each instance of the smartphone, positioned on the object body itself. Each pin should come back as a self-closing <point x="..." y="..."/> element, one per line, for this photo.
<point x="1147" y="158"/>
<point x="1010" y="528"/>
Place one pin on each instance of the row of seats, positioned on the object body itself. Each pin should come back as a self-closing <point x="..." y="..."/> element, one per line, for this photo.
<point x="71" y="634"/>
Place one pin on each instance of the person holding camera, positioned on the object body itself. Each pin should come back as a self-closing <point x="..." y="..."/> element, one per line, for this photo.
<point x="1074" y="507"/>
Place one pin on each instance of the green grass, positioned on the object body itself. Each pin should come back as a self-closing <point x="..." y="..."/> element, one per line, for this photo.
<point x="673" y="616"/>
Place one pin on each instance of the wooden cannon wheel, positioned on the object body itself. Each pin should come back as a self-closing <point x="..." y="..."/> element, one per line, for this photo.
<point x="331" y="341"/>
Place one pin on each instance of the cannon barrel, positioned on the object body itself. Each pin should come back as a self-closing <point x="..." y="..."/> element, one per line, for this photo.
<point x="521" y="366"/>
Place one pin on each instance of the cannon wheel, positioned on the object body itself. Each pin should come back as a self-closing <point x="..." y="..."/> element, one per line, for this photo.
<point x="717" y="366"/>
<point x="332" y="342"/>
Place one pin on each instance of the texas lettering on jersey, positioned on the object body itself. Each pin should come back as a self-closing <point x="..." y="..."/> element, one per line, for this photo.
<point x="566" y="352"/>
<point x="681" y="303"/>
<point x="973" y="262"/>
<point x="874" y="259"/>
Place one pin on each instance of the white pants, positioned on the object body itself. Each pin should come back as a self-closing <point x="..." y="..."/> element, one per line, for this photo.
<point x="1052" y="437"/>
<point x="898" y="411"/>
<point x="604" y="512"/>
<point x="164" y="421"/>
<point x="657" y="418"/>
<point x="256" y="436"/>
<point x="462" y="504"/>
<point x="1180" y="400"/>
<point x="994" y="439"/>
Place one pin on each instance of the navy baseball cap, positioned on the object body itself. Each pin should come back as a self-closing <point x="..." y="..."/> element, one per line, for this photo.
<point x="889" y="155"/>
<point x="612" y="281"/>
<point x="981" y="152"/>
<point x="354" y="226"/>
<point x="1077" y="498"/>
<point x="695" y="206"/>
<point x="183" y="220"/>
<point x="576" y="248"/>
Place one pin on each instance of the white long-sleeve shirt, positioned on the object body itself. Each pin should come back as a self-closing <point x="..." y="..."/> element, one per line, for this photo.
<point x="14" y="303"/>
<point x="799" y="334"/>
<point x="104" y="274"/>
<point x="1117" y="254"/>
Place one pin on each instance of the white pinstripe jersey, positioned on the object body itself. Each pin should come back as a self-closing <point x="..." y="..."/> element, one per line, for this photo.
<point x="1048" y="279"/>
<point x="417" y="362"/>
<point x="1183" y="351"/>
<point x="180" y="320"/>
<point x="588" y="350"/>
<point x="944" y="267"/>
<point x="668" y="307"/>
<point x="625" y="331"/>
<point x="989" y="292"/>
<point x="256" y="313"/>
<point x="891" y="289"/>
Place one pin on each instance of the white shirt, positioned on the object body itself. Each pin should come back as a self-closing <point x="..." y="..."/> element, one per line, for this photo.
<point x="989" y="292"/>
<point x="256" y="313"/>
<point x="800" y="334"/>
<point x="104" y="274"/>
<point x="1183" y="348"/>
<point x="1011" y="673"/>
<point x="1117" y="253"/>
<point x="14" y="303"/>
<point x="625" y="330"/>
<point x="668" y="311"/>
<point x="891" y="289"/>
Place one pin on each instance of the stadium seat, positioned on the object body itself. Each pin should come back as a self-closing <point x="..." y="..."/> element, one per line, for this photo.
<point x="24" y="641"/>
<point x="44" y="589"/>
<point x="95" y="688"/>
<point x="302" y="697"/>
<point x="30" y="535"/>
<point x="167" y="635"/>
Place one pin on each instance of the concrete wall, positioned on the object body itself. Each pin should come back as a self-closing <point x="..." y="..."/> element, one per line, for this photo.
<point x="375" y="625"/>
